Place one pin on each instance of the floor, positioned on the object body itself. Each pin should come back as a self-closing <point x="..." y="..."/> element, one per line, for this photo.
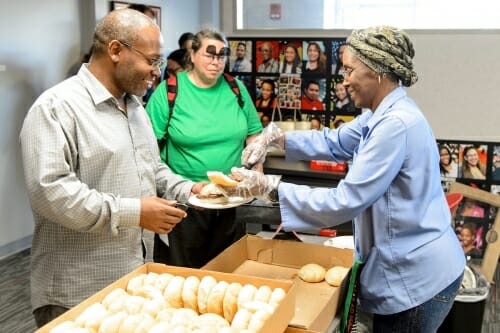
<point x="15" y="309"/>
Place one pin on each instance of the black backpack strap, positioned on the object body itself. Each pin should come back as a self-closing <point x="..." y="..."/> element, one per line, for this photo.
<point x="235" y="88"/>
<point x="171" y="86"/>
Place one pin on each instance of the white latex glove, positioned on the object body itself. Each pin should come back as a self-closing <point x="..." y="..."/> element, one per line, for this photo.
<point x="253" y="184"/>
<point x="255" y="152"/>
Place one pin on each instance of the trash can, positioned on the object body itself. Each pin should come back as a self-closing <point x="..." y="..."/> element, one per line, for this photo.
<point x="466" y="315"/>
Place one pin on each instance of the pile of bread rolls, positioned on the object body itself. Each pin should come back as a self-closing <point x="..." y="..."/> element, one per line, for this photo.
<point x="316" y="273"/>
<point x="164" y="302"/>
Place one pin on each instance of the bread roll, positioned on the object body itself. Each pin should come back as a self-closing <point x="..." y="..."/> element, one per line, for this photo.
<point x="204" y="289"/>
<point x="312" y="273"/>
<point x="92" y="316"/>
<point x="165" y="314"/>
<point x="64" y="327"/>
<point x="258" y="320"/>
<point x="263" y="294"/>
<point x="150" y="279"/>
<point x="145" y="325"/>
<point x="162" y="281"/>
<point x="179" y="329"/>
<point x="135" y="284"/>
<point x="112" y="323"/>
<point x="134" y="304"/>
<point x="160" y="328"/>
<point x="216" y="297"/>
<point x="118" y="303"/>
<point x="335" y="275"/>
<point x="190" y="292"/>
<point x="230" y="302"/>
<point x="114" y="295"/>
<point x="210" y="320"/>
<point x="229" y="330"/>
<point x="246" y="294"/>
<point x="173" y="292"/>
<point x="219" y="178"/>
<point x="277" y="296"/>
<point x="153" y="306"/>
<point x="148" y="291"/>
<point x="254" y="306"/>
<point x="130" y="323"/>
<point x="241" y="319"/>
<point x="183" y="317"/>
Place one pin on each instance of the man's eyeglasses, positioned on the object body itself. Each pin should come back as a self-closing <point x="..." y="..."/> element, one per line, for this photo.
<point x="156" y="62"/>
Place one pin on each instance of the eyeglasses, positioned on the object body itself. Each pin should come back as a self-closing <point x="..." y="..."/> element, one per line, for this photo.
<point x="211" y="57"/>
<point x="211" y="54"/>
<point x="156" y="62"/>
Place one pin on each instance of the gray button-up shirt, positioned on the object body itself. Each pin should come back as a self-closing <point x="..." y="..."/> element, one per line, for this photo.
<point x="87" y="163"/>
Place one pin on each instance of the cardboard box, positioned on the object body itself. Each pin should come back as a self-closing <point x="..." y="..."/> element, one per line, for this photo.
<point x="276" y="323"/>
<point x="316" y="303"/>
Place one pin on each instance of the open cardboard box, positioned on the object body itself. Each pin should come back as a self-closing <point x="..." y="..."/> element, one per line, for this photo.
<point x="316" y="304"/>
<point x="490" y="259"/>
<point x="276" y="323"/>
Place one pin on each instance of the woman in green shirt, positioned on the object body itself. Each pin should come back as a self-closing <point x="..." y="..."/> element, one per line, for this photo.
<point x="207" y="131"/>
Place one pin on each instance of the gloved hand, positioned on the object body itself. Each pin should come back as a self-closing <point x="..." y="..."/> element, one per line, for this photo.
<point x="253" y="184"/>
<point x="255" y="152"/>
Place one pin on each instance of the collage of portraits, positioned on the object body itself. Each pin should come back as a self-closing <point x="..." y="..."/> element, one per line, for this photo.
<point x="302" y="78"/>
<point x="476" y="164"/>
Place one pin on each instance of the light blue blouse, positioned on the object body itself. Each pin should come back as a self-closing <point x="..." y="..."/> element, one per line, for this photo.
<point x="392" y="192"/>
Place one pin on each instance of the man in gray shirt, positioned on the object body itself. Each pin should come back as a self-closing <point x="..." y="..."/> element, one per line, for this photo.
<point x="96" y="184"/>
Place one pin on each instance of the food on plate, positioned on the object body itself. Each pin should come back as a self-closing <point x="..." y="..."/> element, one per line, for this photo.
<point x="211" y="193"/>
<point x="312" y="273"/>
<point x="221" y="179"/>
<point x="335" y="275"/>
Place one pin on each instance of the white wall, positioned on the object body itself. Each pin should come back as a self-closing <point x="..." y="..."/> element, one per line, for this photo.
<point x="457" y="91"/>
<point x="40" y="40"/>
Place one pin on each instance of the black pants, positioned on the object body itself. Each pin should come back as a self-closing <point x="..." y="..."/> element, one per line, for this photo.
<point x="200" y="237"/>
<point x="47" y="313"/>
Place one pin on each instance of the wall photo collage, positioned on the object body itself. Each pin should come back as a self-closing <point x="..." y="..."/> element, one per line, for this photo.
<point x="476" y="164"/>
<point x="303" y="77"/>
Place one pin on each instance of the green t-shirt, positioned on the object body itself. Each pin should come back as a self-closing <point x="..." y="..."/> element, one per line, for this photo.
<point x="208" y="128"/>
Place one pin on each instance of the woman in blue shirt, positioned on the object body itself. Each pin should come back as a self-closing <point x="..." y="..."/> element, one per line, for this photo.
<point x="413" y="262"/>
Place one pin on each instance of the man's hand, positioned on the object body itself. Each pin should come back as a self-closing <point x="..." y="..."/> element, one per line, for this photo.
<point x="160" y="215"/>
<point x="255" y="152"/>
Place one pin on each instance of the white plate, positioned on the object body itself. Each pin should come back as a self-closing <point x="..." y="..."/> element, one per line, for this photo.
<point x="341" y="242"/>
<point x="233" y="202"/>
<point x="469" y="279"/>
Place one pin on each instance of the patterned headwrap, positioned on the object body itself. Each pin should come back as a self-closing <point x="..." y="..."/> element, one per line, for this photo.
<point x="385" y="50"/>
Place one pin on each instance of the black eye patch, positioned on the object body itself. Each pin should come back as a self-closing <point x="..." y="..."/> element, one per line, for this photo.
<point x="211" y="49"/>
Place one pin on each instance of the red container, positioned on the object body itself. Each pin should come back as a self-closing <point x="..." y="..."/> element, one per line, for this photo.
<point x="328" y="166"/>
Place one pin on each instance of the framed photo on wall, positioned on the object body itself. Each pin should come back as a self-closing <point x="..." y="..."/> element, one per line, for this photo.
<point x="122" y="4"/>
